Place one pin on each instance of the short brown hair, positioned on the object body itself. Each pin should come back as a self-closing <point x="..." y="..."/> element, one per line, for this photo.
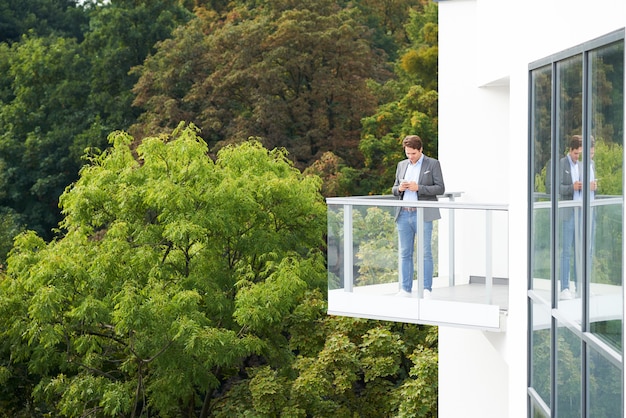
<point x="412" y="141"/>
<point x="576" y="142"/>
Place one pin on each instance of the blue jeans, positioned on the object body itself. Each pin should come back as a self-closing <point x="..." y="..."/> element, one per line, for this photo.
<point x="407" y="229"/>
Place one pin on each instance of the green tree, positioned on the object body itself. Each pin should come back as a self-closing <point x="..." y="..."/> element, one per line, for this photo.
<point x="122" y="33"/>
<point x="409" y="107"/>
<point x="185" y="286"/>
<point x="172" y="272"/>
<point x="42" y="18"/>
<point x="59" y="97"/>
<point x="388" y="21"/>
<point x="349" y="367"/>
<point x="10" y="226"/>
<point x="293" y="75"/>
<point x="338" y="178"/>
<point x="42" y="109"/>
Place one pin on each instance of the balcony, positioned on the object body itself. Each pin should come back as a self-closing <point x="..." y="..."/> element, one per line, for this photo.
<point x="597" y="280"/>
<point x="470" y="253"/>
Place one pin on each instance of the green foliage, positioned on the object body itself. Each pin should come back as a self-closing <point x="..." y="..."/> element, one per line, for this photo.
<point x="374" y="359"/>
<point x="40" y="17"/>
<point x="162" y="257"/>
<point x="179" y="285"/>
<point x="61" y="95"/>
<point x="121" y="35"/>
<point x="609" y="159"/>
<point x="387" y="19"/>
<point x="377" y="254"/>
<point x="410" y="105"/>
<point x="10" y="226"/>
<point x="420" y="61"/>
<point x="420" y="394"/>
<point x="42" y="108"/>
<point x="293" y="75"/>
<point x="184" y="285"/>
<point x="338" y="178"/>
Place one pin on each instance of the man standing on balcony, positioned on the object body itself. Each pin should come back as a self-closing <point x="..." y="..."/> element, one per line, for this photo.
<point x="417" y="178"/>
<point x="570" y="188"/>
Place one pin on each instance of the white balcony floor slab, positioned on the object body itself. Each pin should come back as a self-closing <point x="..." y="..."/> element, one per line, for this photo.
<point x="463" y="305"/>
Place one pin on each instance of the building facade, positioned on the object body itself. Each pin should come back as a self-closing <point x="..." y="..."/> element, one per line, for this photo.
<point x="531" y="142"/>
<point x="517" y="81"/>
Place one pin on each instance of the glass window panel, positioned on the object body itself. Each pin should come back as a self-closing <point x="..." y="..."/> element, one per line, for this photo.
<point x="568" y="374"/>
<point x="538" y="413"/>
<point x="540" y="351"/>
<point x="585" y="254"/>
<point x="373" y="256"/>
<point x="541" y="136"/>
<point x="335" y="247"/>
<point x="375" y="246"/>
<point x="568" y="177"/>
<point x="605" y="387"/>
<point x="604" y="219"/>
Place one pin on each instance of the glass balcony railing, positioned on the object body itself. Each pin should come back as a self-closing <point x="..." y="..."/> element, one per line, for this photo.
<point x="470" y="254"/>
<point x="596" y="278"/>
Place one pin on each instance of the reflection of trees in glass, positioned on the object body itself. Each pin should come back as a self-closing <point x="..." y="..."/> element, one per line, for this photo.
<point x="375" y="249"/>
<point x="541" y="363"/>
<point x="604" y="379"/>
<point x="375" y="246"/>
<point x="568" y="371"/>
<point x="607" y="255"/>
<point x="609" y="331"/>
<point x="605" y="387"/>
<point x="608" y="129"/>
<point x="377" y="254"/>
<point x="335" y="248"/>
<point x="538" y="413"/>
<point x="609" y="167"/>
<point x="542" y="108"/>
<point x="570" y="114"/>
<point x="608" y="92"/>
<point x="541" y="244"/>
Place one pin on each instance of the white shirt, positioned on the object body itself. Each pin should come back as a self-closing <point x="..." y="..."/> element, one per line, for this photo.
<point x="412" y="174"/>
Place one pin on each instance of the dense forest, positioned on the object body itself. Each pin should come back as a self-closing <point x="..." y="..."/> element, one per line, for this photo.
<point x="163" y="168"/>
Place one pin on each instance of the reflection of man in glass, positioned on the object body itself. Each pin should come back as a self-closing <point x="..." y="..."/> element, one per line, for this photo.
<point x="570" y="188"/>
<point x="417" y="178"/>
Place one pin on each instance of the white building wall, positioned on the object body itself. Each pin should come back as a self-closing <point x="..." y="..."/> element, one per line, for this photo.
<point x="485" y="47"/>
<point x="473" y="376"/>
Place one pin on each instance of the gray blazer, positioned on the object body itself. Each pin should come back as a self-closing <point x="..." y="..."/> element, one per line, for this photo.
<point x="566" y="187"/>
<point x="430" y="184"/>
